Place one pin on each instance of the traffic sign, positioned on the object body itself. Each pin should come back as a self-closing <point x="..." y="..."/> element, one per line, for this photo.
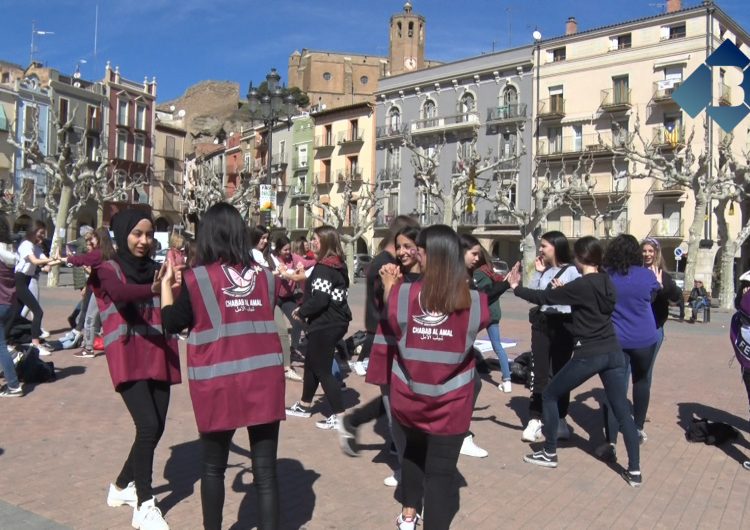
<point x="678" y="253"/>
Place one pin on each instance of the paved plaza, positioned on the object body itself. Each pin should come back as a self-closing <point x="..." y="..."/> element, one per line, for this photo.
<point x="64" y="442"/>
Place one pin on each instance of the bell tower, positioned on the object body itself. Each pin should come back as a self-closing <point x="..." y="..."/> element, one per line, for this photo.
<point x="407" y="40"/>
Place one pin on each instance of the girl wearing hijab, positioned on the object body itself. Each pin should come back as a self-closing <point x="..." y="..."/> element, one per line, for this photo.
<point x="143" y="361"/>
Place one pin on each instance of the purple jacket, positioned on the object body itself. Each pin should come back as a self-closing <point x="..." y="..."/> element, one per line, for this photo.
<point x="633" y="318"/>
<point x="739" y="331"/>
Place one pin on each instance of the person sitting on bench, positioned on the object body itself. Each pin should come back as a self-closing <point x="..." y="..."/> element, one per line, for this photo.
<point x="698" y="298"/>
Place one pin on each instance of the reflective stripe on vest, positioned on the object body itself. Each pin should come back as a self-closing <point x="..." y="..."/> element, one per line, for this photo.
<point x="430" y="356"/>
<point x="203" y="373"/>
<point x="385" y="340"/>
<point x="218" y="328"/>
<point x="122" y="330"/>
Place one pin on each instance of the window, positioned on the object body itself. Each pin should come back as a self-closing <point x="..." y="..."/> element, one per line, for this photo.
<point x="393" y="161"/>
<point x="466" y="104"/>
<point x="169" y="171"/>
<point x="394" y="120"/>
<point x="554" y="134"/>
<point x="3" y="119"/>
<point x="364" y="79"/>
<point x="30" y="119"/>
<point x="122" y="145"/>
<point x="353" y="164"/>
<point x="411" y="29"/>
<point x="577" y="138"/>
<point x="328" y="135"/>
<point x="620" y="89"/>
<point x="620" y="42"/>
<point x="169" y="147"/>
<point x="558" y="54"/>
<point x="122" y="112"/>
<point x="354" y="130"/>
<point x="248" y="162"/>
<point x="62" y="114"/>
<point x="302" y="156"/>
<point x="92" y="147"/>
<point x="508" y="143"/>
<point x="429" y="113"/>
<point x="327" y="76"/>
<point x="6" y="77"/>
<point x="556" y="99"/>
<point x="326" y="175"/>
<point x="140" y="148"/>
<point x="509" y="96"/>
<point x="300" y="215"/>
<point x="673" y="32"/>
<point x="93" y="121"/>
<point x="140" y="117"/>
<point x="399" y="29"/>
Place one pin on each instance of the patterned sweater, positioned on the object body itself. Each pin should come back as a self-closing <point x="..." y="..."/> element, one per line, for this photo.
<point x="325" y="303"/>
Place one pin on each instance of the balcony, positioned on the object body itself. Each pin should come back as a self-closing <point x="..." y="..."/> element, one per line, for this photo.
<point x="467" y="120"/>
<point x="725" y="94"/>
<point x="469" y="219"/>
<point x="663" y="137"/>
<point x="617" y="227"/>
<point x="173" y="152"/>
<point x="323" y="178"/>
<point x="279" y="160"/>
<point x="496" y="218"/>
<point x="385" y="132"/>
<point x="552" y="108"/>
<point x="324" y="141"/>
<point x="609" y="188"/>
<point x="506" y="114"/>
<point x="299" y="190"/>
<point x="282" y="189"/>
<point x="666" y="228"/>
<point x="383" y="220"/>
<point x="664" y="189"/>
<point x="93" y="123"/>
<point x="616" y="99"/>
<point x="593" y="144"/>
<point x="299" y="162"/>
<point x="664" y="89"/>
<point x="354" y="136"/>
<point x="389" y="174"/>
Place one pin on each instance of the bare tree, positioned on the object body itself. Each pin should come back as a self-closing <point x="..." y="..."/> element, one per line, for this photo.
<point x="352" y="218"/>
<point x="426" y="164"/>
<point x="71" y="176"/>
<point x="204" y="186"/>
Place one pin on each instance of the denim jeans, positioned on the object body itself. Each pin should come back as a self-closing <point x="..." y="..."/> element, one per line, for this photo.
<point x="6" y="360"/>
<point x="493" y="331"/>
<point x="92" y="324"/>
<point x="611" y="368"/>
<point x="659" y="342"/>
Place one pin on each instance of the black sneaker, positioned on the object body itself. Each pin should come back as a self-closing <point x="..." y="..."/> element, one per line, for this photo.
<point x="297" y="356"/>
<point x="348" y="437"/>
<point x="298" y="410"/>
<point x="541" y="458"/>
<point x="7" y="391"/>
<point x="634" y="480"/>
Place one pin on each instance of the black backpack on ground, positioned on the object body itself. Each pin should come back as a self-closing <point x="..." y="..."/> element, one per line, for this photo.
<point x="31" y="369"/>
<point x="520" y="368"/>
<point x="711" y="432"/>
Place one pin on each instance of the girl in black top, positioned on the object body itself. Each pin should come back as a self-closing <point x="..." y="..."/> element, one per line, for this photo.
<point x="596" y="350"/>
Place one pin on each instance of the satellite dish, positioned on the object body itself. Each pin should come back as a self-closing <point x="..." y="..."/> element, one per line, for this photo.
<point x="537" y="35"/>
<point x="171" y="108"/>
<point x="181" y="113"/>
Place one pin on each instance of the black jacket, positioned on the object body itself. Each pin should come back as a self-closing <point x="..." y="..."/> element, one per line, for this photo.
<point x="374" y="302"/>
<point x="325" y="303"/>
<point x="592" y="301"/>
<point x="669" y="292"/>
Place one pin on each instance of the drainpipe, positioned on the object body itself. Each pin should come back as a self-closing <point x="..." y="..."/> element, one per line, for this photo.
<point x="708" y="224"/>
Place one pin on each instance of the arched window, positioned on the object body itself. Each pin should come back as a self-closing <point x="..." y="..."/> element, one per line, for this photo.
<point x="411" y="29"/>
<point x="399" y="29"/>
<point x="429" y="113"/>
<point x="394" y="120"/>
<point x="510" y="96"/>
<point x="467" y="103"/>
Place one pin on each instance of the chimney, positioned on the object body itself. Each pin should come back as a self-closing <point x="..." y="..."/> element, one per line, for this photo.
<point x="571" y="26"/>
<point x="674" y="5"/>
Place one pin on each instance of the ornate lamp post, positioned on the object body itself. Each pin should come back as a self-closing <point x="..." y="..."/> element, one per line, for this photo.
<point x="271" y="109"/>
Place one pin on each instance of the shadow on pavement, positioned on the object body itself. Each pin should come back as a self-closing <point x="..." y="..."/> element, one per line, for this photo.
<point x="62" y="373"/>
<point x="687" y="411"/>
<point x="182" y="471"/>
<point x="296" y="495"/>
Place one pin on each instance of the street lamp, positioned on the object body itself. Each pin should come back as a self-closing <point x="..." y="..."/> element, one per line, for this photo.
<point x="271" y="108"/>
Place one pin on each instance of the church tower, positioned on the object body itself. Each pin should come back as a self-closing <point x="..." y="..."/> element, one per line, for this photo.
<point x="407" y="40"/>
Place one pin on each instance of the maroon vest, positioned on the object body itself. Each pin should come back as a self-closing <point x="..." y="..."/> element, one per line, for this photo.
<point x="432" y="383"/>
<point x="235" y="364"/>
<point x="138" y="351"/>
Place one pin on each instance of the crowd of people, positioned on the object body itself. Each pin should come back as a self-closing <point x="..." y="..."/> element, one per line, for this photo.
<point x="249" y="304"/>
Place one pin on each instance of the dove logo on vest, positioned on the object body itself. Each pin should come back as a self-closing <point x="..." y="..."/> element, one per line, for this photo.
<point x="242" y="285"/>
<point x="695" y="93"/>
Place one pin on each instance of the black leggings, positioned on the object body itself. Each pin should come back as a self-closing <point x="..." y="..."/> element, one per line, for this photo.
<point x="287" y="306"/>
<point x="429" y="472"/>
<point x="551" y="348"/>
<point x="264" y="441"/>
<point x="147" y="402"/>
<point x="24" y="297"/>
<point x="321" y="345"/>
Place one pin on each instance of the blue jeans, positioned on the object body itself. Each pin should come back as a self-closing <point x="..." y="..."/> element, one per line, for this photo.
<point x="659" y="342"/>
<point x="6" y="361"/>
<point x="611" y="368"/>
<point x="493" y="331"/>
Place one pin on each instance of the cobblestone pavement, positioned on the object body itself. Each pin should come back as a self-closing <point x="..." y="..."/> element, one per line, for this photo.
<point x="64" y="442"/>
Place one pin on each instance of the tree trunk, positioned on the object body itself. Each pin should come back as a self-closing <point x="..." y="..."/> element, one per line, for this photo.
<point x="99" y="215"/>
<point x="696" y="231"/>
<point x="61" y="224"/>
<point x="529" y="255"/>
<point x="349" y="251"/>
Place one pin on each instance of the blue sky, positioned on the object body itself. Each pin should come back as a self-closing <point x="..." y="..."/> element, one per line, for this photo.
<point x="182" y="42"/>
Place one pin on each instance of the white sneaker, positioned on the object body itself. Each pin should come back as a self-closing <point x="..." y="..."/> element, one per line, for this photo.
<point x="642" y="437"/>
<point x="391" y="481"/>
<point x="506" y="387"/>
<point x="469" y="448"/>
<point x="43" y="351"/>
<point x="117" y="497"/>
<point x="44" y="334"/>
<point x="407" y="524"/>
<point x="533" y="432"/>
<point x="148" y="517"/>
<point x="359" y="368"/>
<point x="563" y="430"/>
<point x="331" y="422"/>
<point x="292" y="375"/>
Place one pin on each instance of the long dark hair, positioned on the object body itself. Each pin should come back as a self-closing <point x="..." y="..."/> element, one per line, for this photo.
<point x="588" y="251"/>
<point x="410" y="232"/>
<point x="105" y="243"/>
<point x="330" y="243"/>
<point x="5" y="235"/>
<point x="561" y="245"/>
<point x="444" y="285"/>
<point x="223" y="237"/>
<point x="468" y="241"/>
<point x="280" y="243"/>
<point x="31" y="231"/>
<point x="256" y="234"/>
<point x="623" y="252"/>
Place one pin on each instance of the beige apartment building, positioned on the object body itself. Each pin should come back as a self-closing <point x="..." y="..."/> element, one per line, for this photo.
<point x="587" y="81"/>
<point x="169" y="167"/>
<point x="344" y="152"/>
